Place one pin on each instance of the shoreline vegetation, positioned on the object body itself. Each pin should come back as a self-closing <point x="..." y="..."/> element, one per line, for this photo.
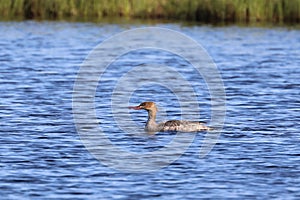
<point x="204" y="11"/>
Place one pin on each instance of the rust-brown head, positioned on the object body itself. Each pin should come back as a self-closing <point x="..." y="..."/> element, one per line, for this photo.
<point x="145" y="105"/>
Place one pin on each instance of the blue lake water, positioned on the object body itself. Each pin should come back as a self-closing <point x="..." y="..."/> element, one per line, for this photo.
<point x="43" y="157"/>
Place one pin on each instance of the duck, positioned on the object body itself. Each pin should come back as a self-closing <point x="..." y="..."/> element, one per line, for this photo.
<point x="172" y="125"/>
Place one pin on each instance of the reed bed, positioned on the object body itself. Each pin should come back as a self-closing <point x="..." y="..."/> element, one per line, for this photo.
<point x="207" y="11"/>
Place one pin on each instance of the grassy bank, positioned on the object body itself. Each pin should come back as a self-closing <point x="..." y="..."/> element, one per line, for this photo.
<point x="207" y="11"/>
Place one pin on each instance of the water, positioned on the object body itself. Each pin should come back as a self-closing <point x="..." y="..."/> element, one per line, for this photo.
<point x="42" y="156"/>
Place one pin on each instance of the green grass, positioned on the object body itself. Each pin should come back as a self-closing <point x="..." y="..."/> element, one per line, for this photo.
<point x="207" y="11"/>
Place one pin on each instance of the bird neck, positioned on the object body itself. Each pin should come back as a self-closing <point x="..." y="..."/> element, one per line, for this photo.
<point x="151" y="117"/>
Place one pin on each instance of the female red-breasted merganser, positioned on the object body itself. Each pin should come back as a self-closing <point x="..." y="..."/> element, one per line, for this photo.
<point x="173" y="125"/>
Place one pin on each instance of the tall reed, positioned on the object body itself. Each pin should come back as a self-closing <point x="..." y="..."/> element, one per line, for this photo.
<point x="190" y="10"/>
